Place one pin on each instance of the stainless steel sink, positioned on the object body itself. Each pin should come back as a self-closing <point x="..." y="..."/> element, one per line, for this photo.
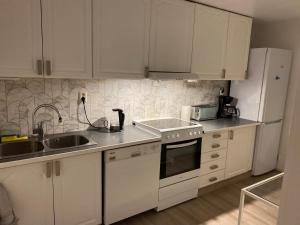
<point x="67" y="141"/>
<point x="11" y="149"/>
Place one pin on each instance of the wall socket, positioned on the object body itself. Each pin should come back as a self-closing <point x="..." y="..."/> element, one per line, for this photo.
<point x="82" y="94"/>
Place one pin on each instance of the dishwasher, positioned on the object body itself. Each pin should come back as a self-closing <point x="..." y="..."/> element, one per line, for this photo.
<point x="131" y="181"/>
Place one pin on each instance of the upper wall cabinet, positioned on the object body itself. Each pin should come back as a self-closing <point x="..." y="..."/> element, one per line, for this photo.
<point x="121" y="38"/>
<point x="171" y="35"/>
<point x="67" y="38"/>
<point x="210" y="41"/>
<point x="20" y="39"/>
<point x="238" y="45"/>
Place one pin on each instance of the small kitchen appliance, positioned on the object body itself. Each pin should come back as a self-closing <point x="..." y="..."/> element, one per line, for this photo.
<point x="180" y="159"/>
<point x="227" y="107"/>
<point x="204" y="112"/>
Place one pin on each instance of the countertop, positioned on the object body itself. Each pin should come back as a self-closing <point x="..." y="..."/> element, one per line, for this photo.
<point x="130" y="136"/>
<point x="221" y="124"/>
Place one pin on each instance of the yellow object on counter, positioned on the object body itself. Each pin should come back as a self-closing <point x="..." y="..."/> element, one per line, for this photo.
<point x="13" y="138"/>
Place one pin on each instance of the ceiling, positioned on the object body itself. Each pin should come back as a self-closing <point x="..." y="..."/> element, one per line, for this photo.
<point x="265" y="10"/>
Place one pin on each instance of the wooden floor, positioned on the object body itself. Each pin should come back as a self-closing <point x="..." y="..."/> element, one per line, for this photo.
<point x="219" y="207"/>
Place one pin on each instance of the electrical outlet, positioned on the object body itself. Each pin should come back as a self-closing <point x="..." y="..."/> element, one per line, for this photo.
<point x="82" y="94"/>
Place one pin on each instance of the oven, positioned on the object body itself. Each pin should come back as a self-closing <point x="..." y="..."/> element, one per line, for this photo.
<point x="180" y="161"/>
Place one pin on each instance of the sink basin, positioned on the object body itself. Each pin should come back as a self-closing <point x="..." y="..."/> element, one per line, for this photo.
<point x="66" y="141"/>
<point x="11" y="149"/>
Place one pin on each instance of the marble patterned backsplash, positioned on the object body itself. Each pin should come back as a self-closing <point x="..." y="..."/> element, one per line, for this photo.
<point x="138" y="98"/>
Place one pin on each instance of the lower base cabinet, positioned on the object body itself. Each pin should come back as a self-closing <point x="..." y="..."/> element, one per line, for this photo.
<point x="62" y="192"/>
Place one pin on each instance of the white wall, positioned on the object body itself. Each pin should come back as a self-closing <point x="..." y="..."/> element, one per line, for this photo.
<point x="285" y="34"/>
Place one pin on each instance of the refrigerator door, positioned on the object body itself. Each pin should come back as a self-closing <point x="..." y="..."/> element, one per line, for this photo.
<point x="248" y="92"/>
<point x="266" y="147"/>
<point x="275" y="85"/>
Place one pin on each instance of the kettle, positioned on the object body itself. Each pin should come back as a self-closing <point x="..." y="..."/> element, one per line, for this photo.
<point x="121" y="116"/>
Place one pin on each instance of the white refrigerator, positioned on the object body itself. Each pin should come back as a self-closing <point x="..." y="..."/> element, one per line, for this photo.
<point x="262" y="98"/>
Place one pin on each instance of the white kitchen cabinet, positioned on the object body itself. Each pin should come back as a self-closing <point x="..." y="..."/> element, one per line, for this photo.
<point x="121" y="38"/>
<point x="67" y="38"/>
<point x="31" y="193"/>
<point x="210" y="42"/>
<point x="238" y="44"/>
<point x="240" y="151"/>
<point x="62" y="192"/>
<point x="77" y="190"/>
<point x="21" y="38"/>
<point x="171" y="35"/>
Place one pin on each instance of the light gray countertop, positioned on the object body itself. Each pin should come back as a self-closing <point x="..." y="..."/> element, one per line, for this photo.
<point x="221" y="124"/>
<point x="131" y="135"/>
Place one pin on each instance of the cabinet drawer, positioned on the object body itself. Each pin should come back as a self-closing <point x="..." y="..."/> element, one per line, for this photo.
<point x="208" y="146"/>
<point x="212" y="166"/>
<point x="218" y="135"/>
<point x="211" y="178"/>
<point x="213" y="155"/>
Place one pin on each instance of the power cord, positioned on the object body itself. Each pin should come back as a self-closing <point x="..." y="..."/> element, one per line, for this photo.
<point x="83" y="102"/>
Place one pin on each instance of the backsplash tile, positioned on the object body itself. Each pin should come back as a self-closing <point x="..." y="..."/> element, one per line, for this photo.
<point x="138" y="98"/>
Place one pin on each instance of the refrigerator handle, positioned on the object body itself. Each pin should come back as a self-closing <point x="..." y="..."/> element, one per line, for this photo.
<point x="272" y="122"/>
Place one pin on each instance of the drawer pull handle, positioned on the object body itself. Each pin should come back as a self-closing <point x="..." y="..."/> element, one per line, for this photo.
<point x="111" y="158"/>
<point x="136" y="154"/>
<point x="57" y="168"/>
<point x="212" y="179"/>
<point x="215" y="146"/>
<point x="213" y="167"/>
<point x="216" y="135"/>
<point x="213" y="156"/>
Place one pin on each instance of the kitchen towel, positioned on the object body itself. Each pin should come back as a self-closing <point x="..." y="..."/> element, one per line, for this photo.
<point x="7" y="215"/>
<point x="186" y="112"/>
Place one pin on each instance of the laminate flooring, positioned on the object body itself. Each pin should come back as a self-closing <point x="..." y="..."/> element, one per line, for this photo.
<point x="218" y="207"/>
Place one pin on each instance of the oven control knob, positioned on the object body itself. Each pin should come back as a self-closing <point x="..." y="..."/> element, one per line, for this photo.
<point x="168" y="137"/>
<point x="190" y="133"/>
<point x="195" y="132"/>
<point x="177" y="135"/>
<point x="173" y="135"/>
<point x="199" y="132"/>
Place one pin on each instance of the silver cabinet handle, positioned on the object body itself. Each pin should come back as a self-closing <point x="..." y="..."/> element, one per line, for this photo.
<point x="49" y="168"/>
<point x="216" y="135"/>
<point x="48" y="67"/>
<point x="212" y="179"/>
<point x="146" y="72"/>
<point x="136" y="154"/>
<point x="57" y="168"/>
<point x="39" y="67"/>
<point x="215" y="146"/>
<point x="213" y="167"/>
<point x="231" y="135"/>
<point x="214" y="156"/>
<point x="112" y="158"/>
<point x="223" y="73"/>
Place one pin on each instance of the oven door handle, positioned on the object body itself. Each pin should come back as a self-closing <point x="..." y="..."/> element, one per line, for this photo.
<point x="181" y="145"/>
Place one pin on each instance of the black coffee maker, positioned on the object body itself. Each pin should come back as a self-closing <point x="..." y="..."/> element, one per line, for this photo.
<point x="227" y="106"/>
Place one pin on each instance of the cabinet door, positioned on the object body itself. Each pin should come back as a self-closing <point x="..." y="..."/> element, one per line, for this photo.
<point x="21" y="38"/>
<point x="238" y="44"/>
<point x="121" y="38"/>
<point x="77" y="190"/>
<point x="30" y="192"/>
<point x="171" y="35"/>
<point x="240" y="151"/>
<point x="67" y="38"/>
<point x="210" y="40"/>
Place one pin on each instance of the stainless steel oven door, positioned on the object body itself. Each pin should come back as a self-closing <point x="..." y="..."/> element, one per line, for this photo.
<point x="180" y="160"/>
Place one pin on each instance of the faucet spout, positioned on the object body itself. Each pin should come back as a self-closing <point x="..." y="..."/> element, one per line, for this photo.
<point x="39" y="130"/>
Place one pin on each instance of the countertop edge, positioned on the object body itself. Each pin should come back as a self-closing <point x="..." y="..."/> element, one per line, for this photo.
<point x="231" y="127"/>
<point x="92" y="149"/>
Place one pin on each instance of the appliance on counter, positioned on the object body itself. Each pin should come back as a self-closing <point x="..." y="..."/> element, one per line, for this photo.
<point x="180" y="159"/>
<point x="262" y="98"/>
<point x="131" y="181"/>
<point x="204" y="112"/>
<point x="227" y="107"/>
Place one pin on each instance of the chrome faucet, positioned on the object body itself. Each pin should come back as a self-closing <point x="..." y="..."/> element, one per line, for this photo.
<point x="39" y="131"/>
